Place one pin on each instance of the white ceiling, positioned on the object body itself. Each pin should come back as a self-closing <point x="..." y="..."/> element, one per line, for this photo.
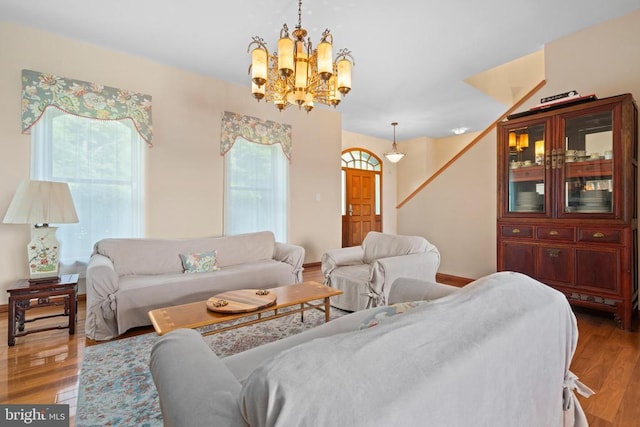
<point x="411" y="56"/>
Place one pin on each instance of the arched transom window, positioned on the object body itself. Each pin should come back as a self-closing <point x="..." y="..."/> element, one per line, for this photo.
<point x="360" y="159"/>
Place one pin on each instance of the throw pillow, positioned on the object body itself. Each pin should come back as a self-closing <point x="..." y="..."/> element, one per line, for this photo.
<point x="200" y="262"/>
<point x="388" y="311"/>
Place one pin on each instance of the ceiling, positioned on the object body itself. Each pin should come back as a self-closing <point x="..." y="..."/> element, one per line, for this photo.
<point x="412" y="57"/>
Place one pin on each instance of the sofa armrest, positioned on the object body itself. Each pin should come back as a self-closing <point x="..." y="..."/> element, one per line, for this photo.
<point x="338" y="257"/>
<point x="195" y="388"/>
<point x="102" y="283"/>
<point x="405" y="290"/>
<point x="385" y="271"/>
<point x="292" y="255"/>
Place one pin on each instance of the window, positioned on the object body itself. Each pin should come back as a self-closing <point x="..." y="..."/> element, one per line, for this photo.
<point x="255" y="190"/>
<point x="102" y="162"/>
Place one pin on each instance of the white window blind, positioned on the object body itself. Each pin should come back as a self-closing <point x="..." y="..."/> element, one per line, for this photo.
<point x="102" y="162"/>
<point x="256" y="188"/>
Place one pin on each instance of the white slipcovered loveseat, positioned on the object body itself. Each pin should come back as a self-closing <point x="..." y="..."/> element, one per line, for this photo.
<point x="128" y="277"/>
<point x="494" y="353"/>
<point x="365" y="273"/>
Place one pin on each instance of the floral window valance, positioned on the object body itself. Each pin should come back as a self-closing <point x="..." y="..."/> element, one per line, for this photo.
<point x="83" y="99"/>
<point x="255" y="130"/>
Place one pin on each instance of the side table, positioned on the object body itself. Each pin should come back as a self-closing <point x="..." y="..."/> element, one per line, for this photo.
<point x="23" y="294"/>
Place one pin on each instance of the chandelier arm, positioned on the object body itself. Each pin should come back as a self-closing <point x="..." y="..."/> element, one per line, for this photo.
<point x="345" y="53"/>
<point x="284" y="32"/>
<point x="259" y="41"/>
<point x="327" y="36"/>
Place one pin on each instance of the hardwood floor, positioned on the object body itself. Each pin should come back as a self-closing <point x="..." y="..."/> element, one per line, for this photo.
<point x="44" y="367"/>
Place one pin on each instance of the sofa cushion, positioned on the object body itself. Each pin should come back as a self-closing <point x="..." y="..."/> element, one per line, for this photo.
<point x="244" y="248"/>
<point x="140" y="293"/>
<point x="162" y="256"/>
<point x="203" y="262"/>
<point x="380" y="245"/>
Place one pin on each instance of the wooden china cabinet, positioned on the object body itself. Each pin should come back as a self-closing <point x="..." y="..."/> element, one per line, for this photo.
<point x="567" y="210"/>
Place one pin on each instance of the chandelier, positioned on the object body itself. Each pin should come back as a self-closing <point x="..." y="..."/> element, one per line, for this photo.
<point x="394" y="156"/>
<point x="298" y="74"/>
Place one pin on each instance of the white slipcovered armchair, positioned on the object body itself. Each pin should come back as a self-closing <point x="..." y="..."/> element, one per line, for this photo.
<point x="365" y="273"/>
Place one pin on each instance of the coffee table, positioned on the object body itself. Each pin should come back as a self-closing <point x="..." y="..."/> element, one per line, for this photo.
<point x="196" y="315"/>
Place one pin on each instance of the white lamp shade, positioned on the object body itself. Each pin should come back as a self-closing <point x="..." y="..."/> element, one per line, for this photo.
<point x="394" y="157"/>
<point x="325" y="60"/>
<point x="285" y="56"/>
<point x="259" y="66"/>
<point x="344" y="76"/>
<point x="41" y="202"/>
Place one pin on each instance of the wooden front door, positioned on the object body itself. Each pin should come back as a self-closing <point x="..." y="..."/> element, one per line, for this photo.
<point x="360" y="217"/>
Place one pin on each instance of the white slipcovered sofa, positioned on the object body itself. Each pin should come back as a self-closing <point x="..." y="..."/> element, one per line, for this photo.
<point x="494" y="353"/>
<point x="364" y="273"/>
<point x="128" y="277"/>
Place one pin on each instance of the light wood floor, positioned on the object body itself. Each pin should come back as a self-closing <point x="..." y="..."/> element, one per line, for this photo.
<point x="44" y="367"/>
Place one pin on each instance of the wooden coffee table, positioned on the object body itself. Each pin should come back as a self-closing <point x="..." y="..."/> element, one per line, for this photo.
<point x="196" y="315"/>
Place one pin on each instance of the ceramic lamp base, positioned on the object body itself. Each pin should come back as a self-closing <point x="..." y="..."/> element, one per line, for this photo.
<point x="43" y="252"/>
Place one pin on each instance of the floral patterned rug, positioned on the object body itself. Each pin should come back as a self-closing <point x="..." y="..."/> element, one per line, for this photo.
<point x="116" y="388"/>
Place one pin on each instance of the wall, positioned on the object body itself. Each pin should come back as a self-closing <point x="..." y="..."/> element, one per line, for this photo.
<point x="425" y="156"/>
<point x="458" y="210"/>
<point x="416" y="166"/>
<point x="389" y="174"/>
<point x="184" y="169"/>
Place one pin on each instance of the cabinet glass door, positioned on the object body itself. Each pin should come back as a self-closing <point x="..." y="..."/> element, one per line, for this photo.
<point x="527" y="169"/>
<point x="588" y="163"/>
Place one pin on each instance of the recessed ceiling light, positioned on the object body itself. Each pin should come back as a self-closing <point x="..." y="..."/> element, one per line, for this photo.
<point x="459" y="131"/>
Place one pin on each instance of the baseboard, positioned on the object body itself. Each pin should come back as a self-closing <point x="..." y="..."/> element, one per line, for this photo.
<point x="448" y="279"/>
<point x="4" y="308"/>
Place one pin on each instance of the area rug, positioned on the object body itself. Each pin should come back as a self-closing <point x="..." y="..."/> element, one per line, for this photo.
<point x="116" y="388"/>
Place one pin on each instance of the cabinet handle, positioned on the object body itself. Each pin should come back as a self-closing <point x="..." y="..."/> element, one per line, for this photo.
<point x="515" y="231"/>
<point x="560" y="159"/>
<point x="553" y="252"/>
<point x="553" y="159"/>
<point x="553" y="233"/>
<point x="598" y="235"/>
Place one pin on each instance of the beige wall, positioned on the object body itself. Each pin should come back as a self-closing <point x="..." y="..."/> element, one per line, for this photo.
<point x="389" y="174"/>
<point x="425" y="156"/>
<point x="184" y="169"/>
<point x="458" y="210"/>
<point x="416" y="166"/>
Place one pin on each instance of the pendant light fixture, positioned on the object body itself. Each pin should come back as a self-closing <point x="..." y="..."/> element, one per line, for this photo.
<point x="298" y="74"/>
<point x="394" y="156"/>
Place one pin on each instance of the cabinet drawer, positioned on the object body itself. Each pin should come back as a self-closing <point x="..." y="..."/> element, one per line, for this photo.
<point x="599" y="235"/>
<point x="517" y="231"/>
<point x="556" y="233"/>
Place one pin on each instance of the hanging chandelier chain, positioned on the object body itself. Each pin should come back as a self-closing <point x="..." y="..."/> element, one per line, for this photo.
<point x="299" y="14"/>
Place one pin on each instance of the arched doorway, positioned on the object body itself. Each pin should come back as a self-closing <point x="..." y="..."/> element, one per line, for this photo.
<point x="361" y="195"/>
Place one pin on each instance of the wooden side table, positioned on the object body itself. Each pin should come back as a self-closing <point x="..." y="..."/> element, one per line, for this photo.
<point x="23" y="294"/>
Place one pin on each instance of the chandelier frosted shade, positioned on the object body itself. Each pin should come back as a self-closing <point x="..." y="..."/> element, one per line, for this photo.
<point x="344" y="76"/>
<point x="298" y="74"/>
<point x="394" y="156"/>
<point x="259" y="67"/>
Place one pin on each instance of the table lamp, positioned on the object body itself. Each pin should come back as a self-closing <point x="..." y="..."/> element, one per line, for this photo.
<point x="42" y="203"/>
